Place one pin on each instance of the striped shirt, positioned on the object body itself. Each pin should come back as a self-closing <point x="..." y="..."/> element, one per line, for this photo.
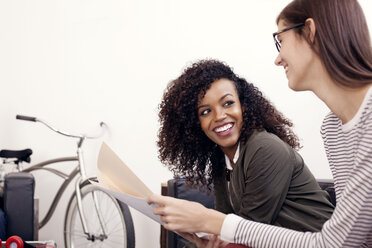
<point x="349" y="152"/>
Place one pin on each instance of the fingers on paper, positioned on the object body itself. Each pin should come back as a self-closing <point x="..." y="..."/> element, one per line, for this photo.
<point x="158" y="199"/>
<point x="215" y="242"/>
<point x="192" y="237"/>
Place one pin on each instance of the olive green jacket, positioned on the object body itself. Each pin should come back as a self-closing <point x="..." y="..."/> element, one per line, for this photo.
<point x="271" y="184"/>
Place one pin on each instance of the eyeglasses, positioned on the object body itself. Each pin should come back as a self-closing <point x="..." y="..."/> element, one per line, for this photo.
<point x="275" y="35"/>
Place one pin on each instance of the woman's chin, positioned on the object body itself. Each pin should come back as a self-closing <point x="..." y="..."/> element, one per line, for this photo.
<point x="293" y="86"/>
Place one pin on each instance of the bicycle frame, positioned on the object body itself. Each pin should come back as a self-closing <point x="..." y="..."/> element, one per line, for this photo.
<point x="79" y="169"/>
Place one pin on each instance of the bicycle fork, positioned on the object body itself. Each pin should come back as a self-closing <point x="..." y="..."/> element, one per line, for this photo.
<point x="80" y="181"/>
<point x="90" y="236"/>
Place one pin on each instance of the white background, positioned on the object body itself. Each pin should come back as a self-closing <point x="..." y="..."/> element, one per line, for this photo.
<point x="75" y="63"/>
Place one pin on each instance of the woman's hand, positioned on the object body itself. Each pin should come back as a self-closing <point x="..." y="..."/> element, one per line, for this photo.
<point x="213" y="242"/>
<point x="186" y="216"/>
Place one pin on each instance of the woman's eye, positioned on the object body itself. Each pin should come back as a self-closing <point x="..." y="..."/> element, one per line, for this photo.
<point x="228" y="103"/>
<point x="205" y="111"/>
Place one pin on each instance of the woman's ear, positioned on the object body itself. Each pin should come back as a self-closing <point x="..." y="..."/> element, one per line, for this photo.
<point x="310" y="29"/>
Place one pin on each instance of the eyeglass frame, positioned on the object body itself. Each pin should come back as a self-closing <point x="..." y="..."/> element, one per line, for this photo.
<point x="275" y="35"/>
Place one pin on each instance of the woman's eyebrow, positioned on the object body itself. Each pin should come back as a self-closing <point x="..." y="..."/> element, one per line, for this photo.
<point x="203" y="106"/>
<point x="224" y="96"/>
<point x="221" y="99"/>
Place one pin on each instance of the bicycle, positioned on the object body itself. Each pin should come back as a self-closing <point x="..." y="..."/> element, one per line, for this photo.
<point x="110" y="223"/>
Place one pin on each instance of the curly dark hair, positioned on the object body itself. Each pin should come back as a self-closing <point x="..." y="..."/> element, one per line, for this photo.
<point x="183" y="146"/>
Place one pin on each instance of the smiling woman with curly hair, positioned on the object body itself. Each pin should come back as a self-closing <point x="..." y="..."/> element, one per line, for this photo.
<point x="215" y="127"/>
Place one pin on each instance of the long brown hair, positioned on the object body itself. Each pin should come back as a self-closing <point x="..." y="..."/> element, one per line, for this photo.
<point x="342" y="38"/>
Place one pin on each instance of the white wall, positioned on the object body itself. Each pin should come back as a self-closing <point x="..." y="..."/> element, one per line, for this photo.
<point x="77" y="62"/>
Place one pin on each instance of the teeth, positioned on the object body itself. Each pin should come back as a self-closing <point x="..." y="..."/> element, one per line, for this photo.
<point x="224" y="128"/>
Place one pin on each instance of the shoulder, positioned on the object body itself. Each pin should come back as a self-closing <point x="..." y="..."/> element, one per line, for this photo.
<point x="331" y="123"/>
<point x="267" y="141"/>
<point x="361" y="123"/>
<point x="265" y="148"/>
<point x="363" y="129"/>
<point x="363" y="118"/>
<point x="366" y="115"/>
<point x="330" y="120"/>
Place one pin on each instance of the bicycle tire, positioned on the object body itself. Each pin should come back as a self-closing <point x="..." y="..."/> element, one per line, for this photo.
<point x="117" y="218"/>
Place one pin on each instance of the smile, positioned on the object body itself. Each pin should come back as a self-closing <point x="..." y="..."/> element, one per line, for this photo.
<point x="223" y="128"/>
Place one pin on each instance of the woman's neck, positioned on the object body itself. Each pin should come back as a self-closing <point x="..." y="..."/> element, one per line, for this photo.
<point x="230" y="152"/>
<point x="343" y="101"/>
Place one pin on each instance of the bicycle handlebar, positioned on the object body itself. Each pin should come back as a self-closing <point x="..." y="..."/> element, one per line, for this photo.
<point x="26" y="118"/>
<point x="79" y="136"/>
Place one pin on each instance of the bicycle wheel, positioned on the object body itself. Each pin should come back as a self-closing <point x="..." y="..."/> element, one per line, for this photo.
<point x="117" y="219"/>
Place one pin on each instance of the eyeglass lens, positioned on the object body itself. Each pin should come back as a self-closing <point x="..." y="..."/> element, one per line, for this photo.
<point x="275" y="35"/>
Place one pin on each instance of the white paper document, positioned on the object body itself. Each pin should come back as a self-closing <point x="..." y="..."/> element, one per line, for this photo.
<point x="116" y="179"/>
<point x="137" y="203"/>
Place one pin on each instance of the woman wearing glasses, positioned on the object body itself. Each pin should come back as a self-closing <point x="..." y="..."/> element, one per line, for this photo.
<point x="324" y="47"/>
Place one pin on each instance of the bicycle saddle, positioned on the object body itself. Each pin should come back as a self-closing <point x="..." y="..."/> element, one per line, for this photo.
<point x="21" y="155"/>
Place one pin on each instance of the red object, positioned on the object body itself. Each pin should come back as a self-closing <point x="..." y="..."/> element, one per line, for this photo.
<point x="14" y="240"/>
<point x="236" y="246"/>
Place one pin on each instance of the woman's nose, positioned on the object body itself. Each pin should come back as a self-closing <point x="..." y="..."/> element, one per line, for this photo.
<point x="278" y="60"/>
<point x="220" y="115"/>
